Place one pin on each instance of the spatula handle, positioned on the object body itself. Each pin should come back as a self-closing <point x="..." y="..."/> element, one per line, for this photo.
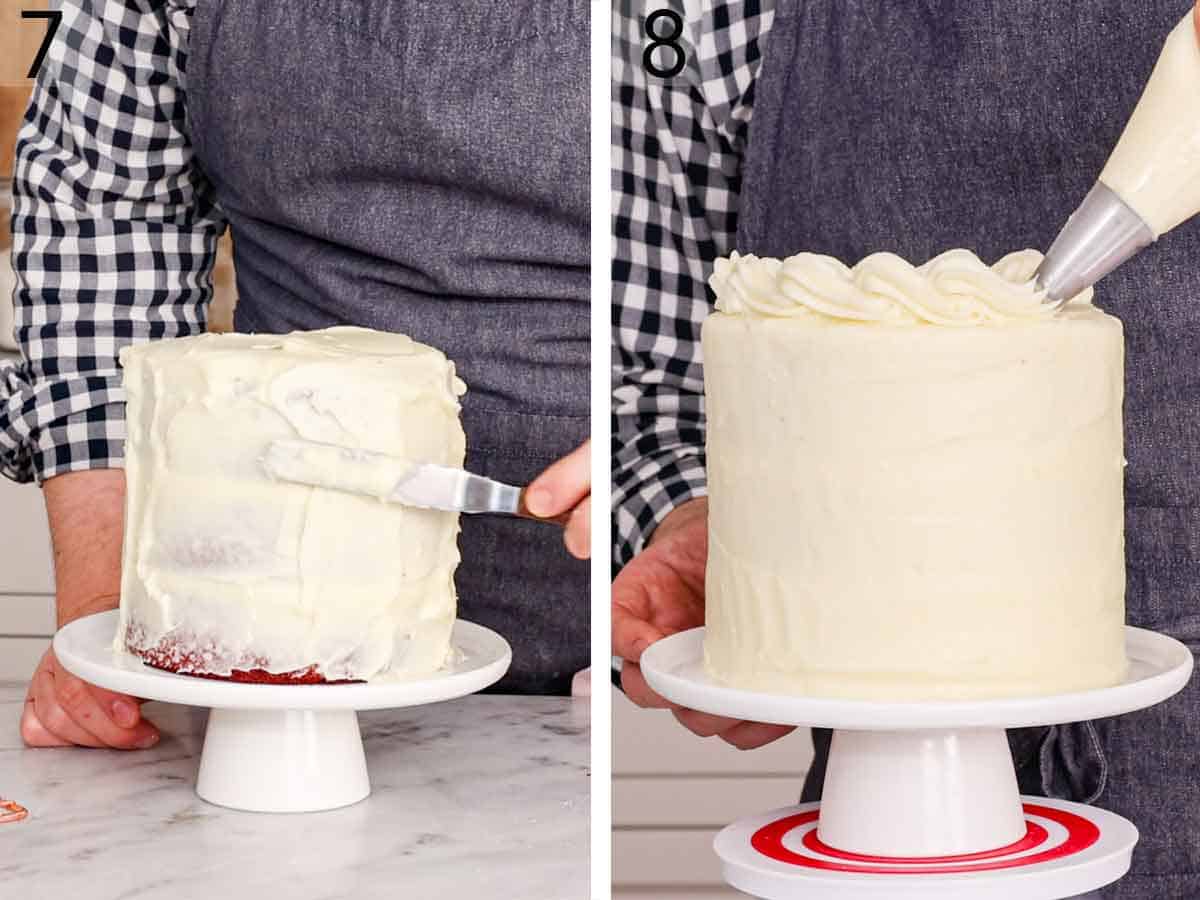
<point x="524" y="513"/>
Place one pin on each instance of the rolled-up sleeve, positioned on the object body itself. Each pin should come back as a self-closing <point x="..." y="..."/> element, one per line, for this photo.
<point x="114" y="230"/>
<point x="677" y="146"/>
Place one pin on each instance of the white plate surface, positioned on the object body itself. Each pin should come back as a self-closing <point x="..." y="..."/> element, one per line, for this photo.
<point x="85" y="648"/>
<point x="1159" y="667"/>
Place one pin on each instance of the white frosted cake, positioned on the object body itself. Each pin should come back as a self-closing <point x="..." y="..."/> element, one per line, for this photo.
<point x="228" y="573"/>
<point x="915" y="479"/>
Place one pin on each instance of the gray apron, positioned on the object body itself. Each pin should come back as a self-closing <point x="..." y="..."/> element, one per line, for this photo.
<point x="916" y="127"/>
<point x="423" y="168"/>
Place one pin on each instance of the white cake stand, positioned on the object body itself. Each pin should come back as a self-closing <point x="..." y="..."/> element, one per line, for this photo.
<point x="279" y="747"/>
<point x="920" y="798"/>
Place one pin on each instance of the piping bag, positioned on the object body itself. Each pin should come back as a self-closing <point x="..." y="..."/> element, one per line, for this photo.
<point x="1150" y="184"/>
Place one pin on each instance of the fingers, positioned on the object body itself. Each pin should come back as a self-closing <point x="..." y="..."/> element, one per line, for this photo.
<point x="736" y="732"/>
<point x="53" y="718"/>
<point x="631" y="635"/>
<point x="578" y="534"/>
<point x="126" y="711"/>
<point x="563" y="485"/>
<point x="64" y="710"/>
<point x="113" y="719"/>
<point x="34" y="733"/>
<point x="704" y="724"/>
<point x="752" y="735"/>
<point x="581" y="684"/>
<point x="660" y="592"/>
<point x="633" y="683"/>
<point x="566" y="486"/>
<point x="665" y="583"/>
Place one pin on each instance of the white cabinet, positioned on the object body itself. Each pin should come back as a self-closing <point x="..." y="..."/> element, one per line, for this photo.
<point x="25" y="562"/>
<point x="26" y="580"/>
<point x="673" y="791"/>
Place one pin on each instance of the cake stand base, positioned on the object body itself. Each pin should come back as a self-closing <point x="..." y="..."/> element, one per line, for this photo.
<point x="280" y="747"/>
<point x="1066" y="850"/>
<point x="920" y="793"/>
<point x="287" y="760"/>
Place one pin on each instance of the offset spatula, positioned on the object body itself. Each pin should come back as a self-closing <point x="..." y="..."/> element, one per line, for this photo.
<point x="396" y="480"/>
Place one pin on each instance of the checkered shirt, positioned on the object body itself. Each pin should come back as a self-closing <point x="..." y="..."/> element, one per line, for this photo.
<point x="677" y="146"/>
<point x="114" y="230"/>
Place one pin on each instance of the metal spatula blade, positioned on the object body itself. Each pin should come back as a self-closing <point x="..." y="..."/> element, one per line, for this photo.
<point x="393" y="479"/>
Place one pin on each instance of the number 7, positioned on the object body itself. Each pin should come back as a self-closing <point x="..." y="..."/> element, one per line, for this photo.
<point x="55" y="18"/>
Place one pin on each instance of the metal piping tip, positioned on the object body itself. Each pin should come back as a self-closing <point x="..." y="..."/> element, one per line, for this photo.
<point x="1100" y="235"/>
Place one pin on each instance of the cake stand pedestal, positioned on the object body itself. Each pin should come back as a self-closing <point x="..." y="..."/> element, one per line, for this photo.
<point x="920" y="798"/>
<point x="279" y="747"/>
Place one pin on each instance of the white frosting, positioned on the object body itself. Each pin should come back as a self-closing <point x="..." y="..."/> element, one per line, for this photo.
<point x="955" y="288"/>
<point x="248" y="572"/>
<point x="336" y="468"/>
<point x="1155" y="167"/>
<point x="913" y="512"/>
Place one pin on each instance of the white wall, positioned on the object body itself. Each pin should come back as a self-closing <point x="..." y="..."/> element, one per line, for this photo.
<point x="673" y="791"/>
<point x="26" y="580"/>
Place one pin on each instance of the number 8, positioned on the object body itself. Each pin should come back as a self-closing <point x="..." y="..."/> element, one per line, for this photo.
<point x="670" y="39"/>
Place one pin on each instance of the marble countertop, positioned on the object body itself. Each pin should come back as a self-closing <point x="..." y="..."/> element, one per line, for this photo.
<point x="483" y="797"/>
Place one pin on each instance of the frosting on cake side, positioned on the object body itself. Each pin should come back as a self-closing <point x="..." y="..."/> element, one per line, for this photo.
<point x="901" y="507"/>
<point x="224" y="568"/>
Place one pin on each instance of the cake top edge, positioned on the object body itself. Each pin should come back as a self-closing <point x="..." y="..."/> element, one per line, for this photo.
<point x="339" y="340"/>
<point x="345" y="347"/>
<point x="955" y="288"/>
<point x="339" y="344"/>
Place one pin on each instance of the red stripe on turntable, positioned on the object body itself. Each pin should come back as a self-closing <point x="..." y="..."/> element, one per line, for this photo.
<point x="1081" y="834"/>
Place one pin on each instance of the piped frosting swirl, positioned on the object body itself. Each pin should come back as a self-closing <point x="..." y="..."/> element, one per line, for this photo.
<point x="955" y="288"/>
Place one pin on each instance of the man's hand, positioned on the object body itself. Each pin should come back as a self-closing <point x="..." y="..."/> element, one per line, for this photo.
<point x="567" y="486"/>
<point x="659" y="593"/>
<point x="86" y="512"/>
<point x="61" y="711"/>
